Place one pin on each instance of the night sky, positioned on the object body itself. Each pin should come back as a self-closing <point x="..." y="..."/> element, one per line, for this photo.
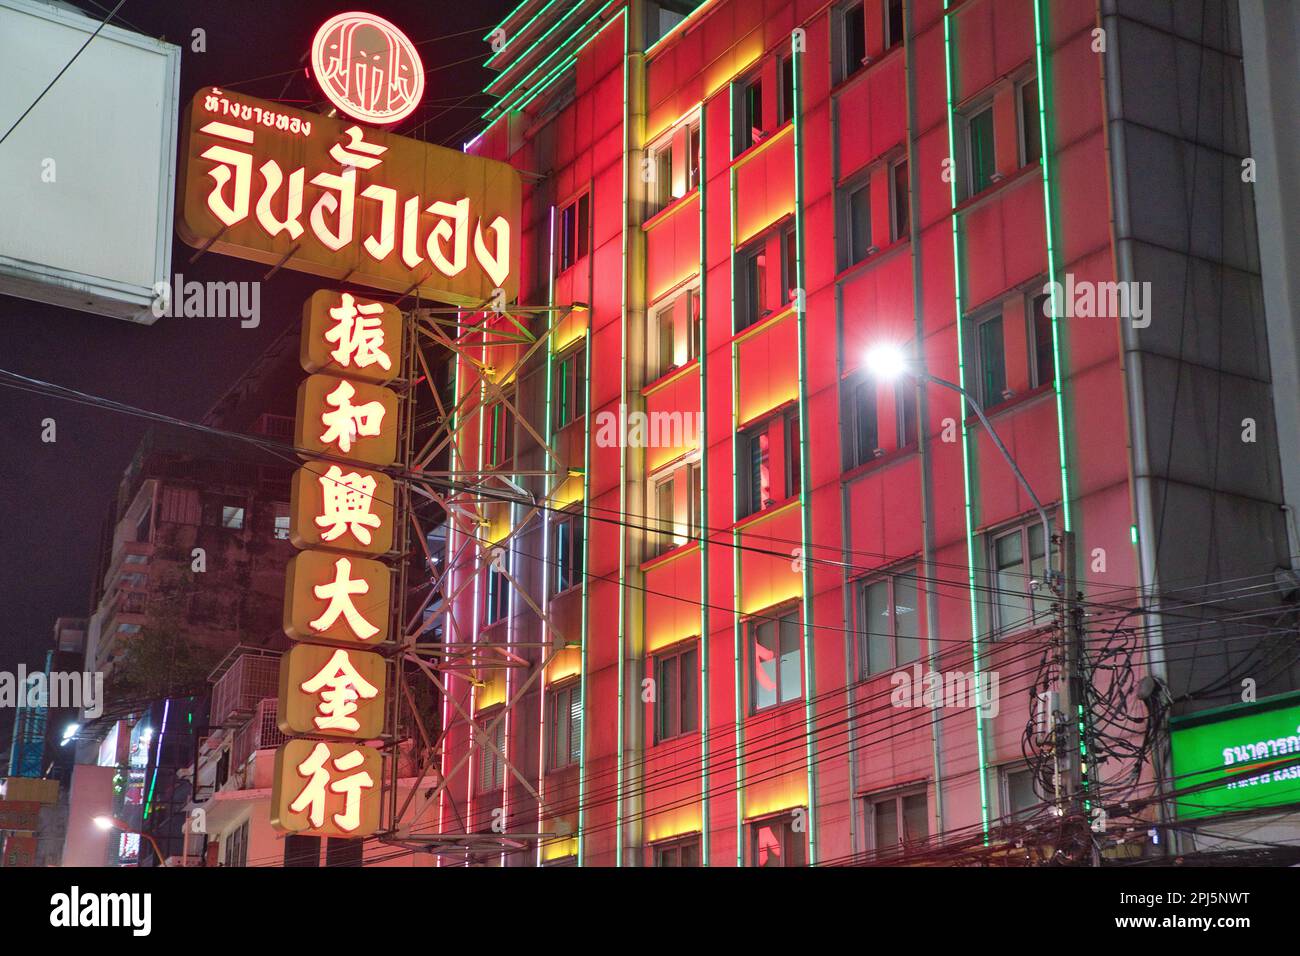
<point x="55" y="497"/>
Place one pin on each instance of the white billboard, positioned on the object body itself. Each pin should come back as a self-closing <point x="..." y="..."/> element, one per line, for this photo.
<point x="87" y="178"/>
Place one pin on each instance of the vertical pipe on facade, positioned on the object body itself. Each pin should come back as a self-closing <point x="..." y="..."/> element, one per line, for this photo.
<point x="447" y="590"/>
<point x="738" y="656"/>
<point x="703" y="516"/>
<point x="1143" y="494"/>
<point x="622" y="467"/>
<point x="586" y="558"/>
<point x="805" y="492"/>
<point x="965" y="432"/>
<point x="548" y="489"/>
<point x="923" y="412"/>
<point x="481" y="569"/>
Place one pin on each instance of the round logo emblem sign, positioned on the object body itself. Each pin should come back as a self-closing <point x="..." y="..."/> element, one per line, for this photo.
<point x="367" y="67"/>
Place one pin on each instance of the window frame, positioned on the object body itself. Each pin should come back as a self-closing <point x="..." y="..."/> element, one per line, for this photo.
<point x="890" y="579"/>
<point x="571" y="389"/>
<point x="568" y="692"/>
<point x="746" y="137"/>
<point x="887" y="40"/>
<point x="843" y="67"/>
<point x="492" y="614"/>
<point x="979" y="320"/>
<point x="898" y="797"/>
<point x="680" y="654"/>
<point x="899" y="206"/>
<point x="776" y="618"/>
<point x="689" y="297"/>
<point x="675" y="845"/>
<point x="1039" y="602"/>
<point x="488" y="758"/>
<point x="789" y="838"/>
<point x="1031" y="298"/>
<point x="1006" y="771"/>
<point x="984" y="104"/>
<point x="859" y="184"/>
<point x="1025" y="124"/>
<point x="580" y="207"/>
<point x="570" y="575"/>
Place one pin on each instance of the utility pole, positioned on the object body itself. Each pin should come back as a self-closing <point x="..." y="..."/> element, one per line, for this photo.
<point x="1073" y="759"/>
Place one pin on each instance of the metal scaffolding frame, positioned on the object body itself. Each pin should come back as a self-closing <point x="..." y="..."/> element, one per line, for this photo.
<point x="461" y="490"/>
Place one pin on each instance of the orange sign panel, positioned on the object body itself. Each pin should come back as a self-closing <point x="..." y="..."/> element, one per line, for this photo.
<point x="326" y="789"/>
<point x="332" y="597"/>
<point x="345" y="334"/>
<point x="340" y="507"/>
<point x="342" y="419"/>
<point x="263" y="181"/>
<point x="332" y="692"/>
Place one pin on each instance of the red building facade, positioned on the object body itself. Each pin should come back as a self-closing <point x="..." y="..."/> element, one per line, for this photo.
<point x="720" y="555"/>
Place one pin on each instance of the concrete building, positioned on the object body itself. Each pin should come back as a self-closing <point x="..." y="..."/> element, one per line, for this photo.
<point x="726" y="629"/>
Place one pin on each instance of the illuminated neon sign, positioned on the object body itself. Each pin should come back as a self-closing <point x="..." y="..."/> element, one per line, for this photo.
<point x="367" y="67"/>
<point x="319" y="194"/>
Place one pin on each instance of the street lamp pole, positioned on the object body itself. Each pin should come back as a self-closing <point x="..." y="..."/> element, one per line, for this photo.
<point x="112" y="823"/>
<point x="889" y="362"/>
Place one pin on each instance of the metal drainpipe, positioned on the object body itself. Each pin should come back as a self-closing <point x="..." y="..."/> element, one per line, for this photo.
<point x="1116" y="154"/>
<point x="922" y="413"/>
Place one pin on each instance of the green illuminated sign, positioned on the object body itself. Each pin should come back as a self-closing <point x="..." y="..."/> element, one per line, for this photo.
<point x="1249" y="752"/>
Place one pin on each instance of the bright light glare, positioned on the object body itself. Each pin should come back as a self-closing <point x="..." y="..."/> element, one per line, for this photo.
<point x="886" y="362"/>
<point x="104" y="823"/>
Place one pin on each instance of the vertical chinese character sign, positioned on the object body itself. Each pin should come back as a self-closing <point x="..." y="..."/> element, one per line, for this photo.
<point x="338" y="590"/>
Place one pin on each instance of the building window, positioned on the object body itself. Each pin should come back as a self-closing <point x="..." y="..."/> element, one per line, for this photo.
<point x="1017" y="559"/>
<point x="1041" y="352"/>
<point x="749" y="113"/>
<point x="237" y="846"/>
<point x="856" y="209"/>
<point x="225" y="513"/>
<point x="491" y="764"/>
<point x="695" y="506"/>
<point x="905" y="404"/>
<point x="764" y="478"/>
<point x="568" y="553"/>
<point x="300" y="850"/>
<point x="1031" y="148"/>
<point x="500" y="435"/>
<point x="342" y="852"/>
<point x="991" y="360"/>
<point x="888" y="623"/>
<point x="675" y="165"/>
<point x="774" y="661"/>
<point x="665" y="501"/>
<point x="675" y="333"/>
<point x="785" y="105"/>
<point x="863" y="438"/>
<point x="981" y="159"/>
<point x="661" y="190"/>
<point x="776" y="842"/>
<point x="677" y="692"/>
<point x="1019" y="801"/>
<point x="281" y="527"/>
<point x="851" y="46"/>
<point x="680" y="852"/>
<point x="570" y="387"/>
<point x="751" y="292"/>
<point x="789" y="264"/>
<point x="893" y="23"/>
<point x="564" y="726"/>
<point x="497" y="600"/>
<point x="575" y="226"/>
<point x="900" y="221"/>
<point x="898" y="823"/>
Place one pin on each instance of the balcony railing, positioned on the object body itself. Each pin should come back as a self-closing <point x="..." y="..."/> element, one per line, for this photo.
<point x="260" y="733"/>
<point x="252" y="677"/>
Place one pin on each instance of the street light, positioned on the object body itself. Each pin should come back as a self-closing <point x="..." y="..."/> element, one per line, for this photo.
<point x="112" y="823"/>
<point x="888" y="362"/>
